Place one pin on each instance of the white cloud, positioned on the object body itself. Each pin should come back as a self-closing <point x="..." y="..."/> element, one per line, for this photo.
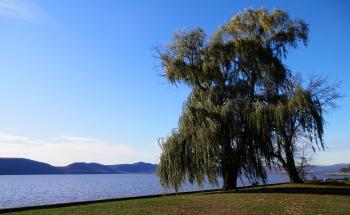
<point x="19" y="9"/>
<point x="68" y="149"/>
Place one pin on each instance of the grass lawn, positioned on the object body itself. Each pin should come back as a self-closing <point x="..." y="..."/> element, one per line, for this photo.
<point x="278" y="199"/>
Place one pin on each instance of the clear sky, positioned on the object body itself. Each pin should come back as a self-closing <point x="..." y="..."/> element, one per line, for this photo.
<point x="78" y="80"/>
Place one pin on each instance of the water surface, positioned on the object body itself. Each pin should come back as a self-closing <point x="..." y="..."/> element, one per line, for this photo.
<point x="29" y="190"/>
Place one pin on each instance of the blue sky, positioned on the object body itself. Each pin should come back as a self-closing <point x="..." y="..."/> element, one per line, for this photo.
<point x="79" y="81"/>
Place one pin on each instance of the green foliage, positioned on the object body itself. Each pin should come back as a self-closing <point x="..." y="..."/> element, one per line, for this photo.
<point x="244" y="102"/>
<point x="299" y="120"/>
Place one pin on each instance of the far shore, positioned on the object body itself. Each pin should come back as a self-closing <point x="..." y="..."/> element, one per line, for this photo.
<point x="338" y="174"/>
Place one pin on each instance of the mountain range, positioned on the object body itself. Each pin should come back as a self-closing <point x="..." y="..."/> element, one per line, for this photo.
<point x="22" y="166"/>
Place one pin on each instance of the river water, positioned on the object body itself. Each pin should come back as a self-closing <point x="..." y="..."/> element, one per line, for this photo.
<point x="30" y="190"/>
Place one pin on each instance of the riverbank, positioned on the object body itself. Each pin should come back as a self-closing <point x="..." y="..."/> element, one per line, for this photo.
<point x="310" y="198"/>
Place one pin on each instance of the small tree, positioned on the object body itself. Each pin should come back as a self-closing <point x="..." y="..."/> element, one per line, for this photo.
<point x="303" y="156"/>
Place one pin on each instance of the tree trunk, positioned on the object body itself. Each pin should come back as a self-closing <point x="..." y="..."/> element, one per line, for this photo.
<point x="230" y="175"/>
<point x="291" y="168"/>
<point x="230" y="167"/>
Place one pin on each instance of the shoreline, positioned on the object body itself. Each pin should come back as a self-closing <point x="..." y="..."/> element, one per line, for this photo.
<point x="337" y="174"/>
<point x="68" y="204"/>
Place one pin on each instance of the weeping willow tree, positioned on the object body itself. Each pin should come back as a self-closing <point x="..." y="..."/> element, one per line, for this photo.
<point x="227" y="127"/>
<point x="299" y="119"/>
<point x="211" y="142"/>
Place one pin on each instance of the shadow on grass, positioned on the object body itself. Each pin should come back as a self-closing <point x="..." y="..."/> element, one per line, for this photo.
<point x="344" y="190"/>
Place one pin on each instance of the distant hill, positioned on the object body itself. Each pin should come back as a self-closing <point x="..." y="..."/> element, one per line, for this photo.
<point x="21" y="166"/>
<point x="327" y="169"/>
<point x="86" y="168"/>
<point x="139" y="167"/>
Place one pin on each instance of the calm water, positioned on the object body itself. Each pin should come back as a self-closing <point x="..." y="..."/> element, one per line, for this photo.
<point x="28" y="190"/>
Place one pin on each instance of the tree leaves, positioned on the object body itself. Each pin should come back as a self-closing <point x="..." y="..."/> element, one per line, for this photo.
<point x="244" y="105"/>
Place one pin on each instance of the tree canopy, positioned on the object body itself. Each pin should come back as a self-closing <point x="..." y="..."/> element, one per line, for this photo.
<point x="237" y="116"/>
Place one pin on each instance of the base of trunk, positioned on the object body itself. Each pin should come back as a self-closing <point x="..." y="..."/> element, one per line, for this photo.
<point x="293" y="173"/>
<point x="229" y="186"/>
<point x="230" y="179"/>
<point x="295" y="179"/>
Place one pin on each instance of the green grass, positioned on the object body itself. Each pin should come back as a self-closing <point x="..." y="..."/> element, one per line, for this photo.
<point x="307" y="198"/>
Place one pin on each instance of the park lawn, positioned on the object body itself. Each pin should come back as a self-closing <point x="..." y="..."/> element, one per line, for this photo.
<point x="277" y="199"/>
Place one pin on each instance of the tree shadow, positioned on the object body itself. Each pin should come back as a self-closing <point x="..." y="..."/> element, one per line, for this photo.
<point x="344" y="190"/>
